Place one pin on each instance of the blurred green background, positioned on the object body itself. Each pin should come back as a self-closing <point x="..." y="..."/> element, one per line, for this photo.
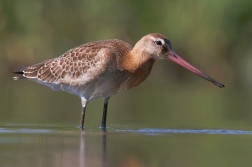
<point x="215" y="36"/>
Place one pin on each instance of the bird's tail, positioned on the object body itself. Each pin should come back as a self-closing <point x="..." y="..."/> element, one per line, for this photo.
<point x="27" y="72"/>
<point x="20" y="74"/>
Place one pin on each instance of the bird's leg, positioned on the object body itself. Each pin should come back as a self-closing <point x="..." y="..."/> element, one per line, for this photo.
<point x="84" y="104"/>
<point x="104" y="115"/>
<point x="82" y="118"/>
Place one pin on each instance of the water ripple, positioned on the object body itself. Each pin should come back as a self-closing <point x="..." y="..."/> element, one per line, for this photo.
<point x="26" y="131"/>
<point x="41" y="129"/>
<point x="187" y="131"/>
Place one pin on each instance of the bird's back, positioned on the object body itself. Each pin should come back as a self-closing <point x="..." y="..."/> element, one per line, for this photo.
<point x="80" y="64"/>
<point x="94" y="69"/>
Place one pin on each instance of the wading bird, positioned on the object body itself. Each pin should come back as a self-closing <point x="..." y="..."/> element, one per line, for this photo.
<point x="103" y="68"/>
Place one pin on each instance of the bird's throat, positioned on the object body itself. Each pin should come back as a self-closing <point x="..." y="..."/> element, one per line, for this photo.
<point x="135" y="60"/>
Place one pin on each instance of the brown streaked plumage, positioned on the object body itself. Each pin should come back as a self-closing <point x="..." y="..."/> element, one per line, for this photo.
<point x="104" y="68"/>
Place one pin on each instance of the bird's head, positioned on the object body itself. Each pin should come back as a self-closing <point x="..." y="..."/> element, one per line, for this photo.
<point x="157" y="46"/>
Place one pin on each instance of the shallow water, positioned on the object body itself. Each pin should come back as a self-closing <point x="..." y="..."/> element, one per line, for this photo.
<point x="34" y="145"/>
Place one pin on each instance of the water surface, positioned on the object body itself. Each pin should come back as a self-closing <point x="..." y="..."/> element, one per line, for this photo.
<point x="34" y="145"/>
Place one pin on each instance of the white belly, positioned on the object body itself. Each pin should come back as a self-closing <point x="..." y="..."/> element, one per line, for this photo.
<point x="102" y="86"/>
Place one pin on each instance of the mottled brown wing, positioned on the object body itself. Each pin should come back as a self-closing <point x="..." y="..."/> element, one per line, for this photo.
<point x="75" y="67"/>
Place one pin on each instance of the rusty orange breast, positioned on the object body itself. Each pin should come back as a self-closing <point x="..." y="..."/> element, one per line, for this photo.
<point x="137" y="75"/>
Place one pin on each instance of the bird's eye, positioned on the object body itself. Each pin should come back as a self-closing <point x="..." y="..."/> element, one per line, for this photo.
<point x="158" y="42"/>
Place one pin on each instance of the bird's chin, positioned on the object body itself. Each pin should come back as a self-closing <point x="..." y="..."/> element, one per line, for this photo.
<point x="161" y="57"/>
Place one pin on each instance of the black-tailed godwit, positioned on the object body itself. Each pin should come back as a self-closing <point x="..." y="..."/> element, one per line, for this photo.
<point x="104" y="68"/>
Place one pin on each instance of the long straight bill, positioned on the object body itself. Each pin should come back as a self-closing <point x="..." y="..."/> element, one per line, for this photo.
<point x="177" y="59"/>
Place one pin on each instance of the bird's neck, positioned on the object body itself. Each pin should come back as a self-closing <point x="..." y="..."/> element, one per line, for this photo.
<point x="135" y="60"/>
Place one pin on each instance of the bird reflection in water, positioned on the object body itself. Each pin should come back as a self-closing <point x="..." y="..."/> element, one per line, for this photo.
<point x="89" y="155"/>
